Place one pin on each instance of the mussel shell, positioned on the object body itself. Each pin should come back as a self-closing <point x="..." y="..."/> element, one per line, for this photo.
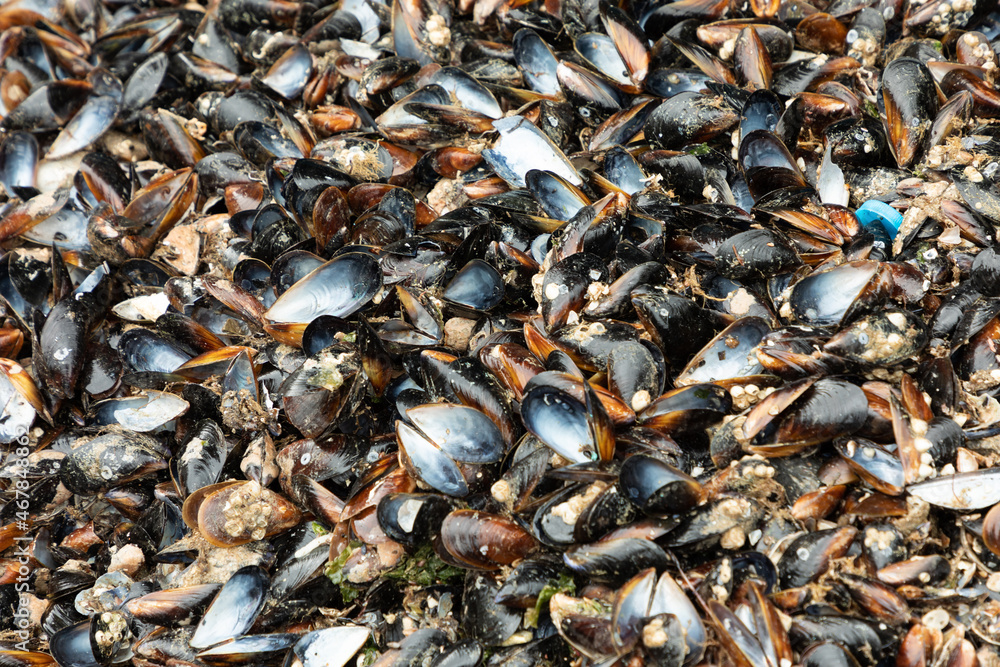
<point x="173" y="606"/>
<point x="766" y="163"/>
<point x="426" y="461"/>
<point x="828" y="654"/>
<point x="678" y="325"/>
<point x="729" y="355"/>
<point x="915" y="571"/>
<point x="860" y="637"/>
<point x="911" y="103"/>
<point x="234" y="609"/>
<point x="330" y="645"/>
<point x="523" y="147"/>
<point x="145" y="351"/>
<point x="62" y="343"/>
<point x="535" y="59"/>
<point x="411" y="518"/>
<point x="560" y="422"/>
<point x="636" y="373"/>
<point x="585" y="626"/>
<point x="324" y="390"/>
<point x="828" y="408"/>
<point x="263" y="648"/>
<point x="484" y="618"/>
<point x="704" y="527"/>
<point x="657" y="488"/>
<point x="839" y="294"/>
<point x="479" y="540"/>
<point x="71" y="646"/>
<point x="881" y="339"/>
<point x="463" y="433"/>
<point x="477" y="285"/>
<point x="808" y="557"/>
<point x="616" y="561"/>
<point x="340" y="288"/>
<point x="242" y="512"/>
<point x="877" y="466"/>
<point x="687" y="409"/>
<point x="565" y="285"/>
<point x="631" y="608"/>
<point x="109" y="460"/>
<point x="688" y="118"/>
<point x="756" y="254"/>
<point x="526" y="581"/>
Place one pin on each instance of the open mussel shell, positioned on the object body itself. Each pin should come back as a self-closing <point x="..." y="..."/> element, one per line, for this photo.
<point x="631" y="608"/>
<point x="340" y="288"/>
<point x="332" y="647"/>
<point x="729" y="356"/>
<point x="411" y="518"/>
<point x="21" y="398"/>
<point x="110" y="636"/>
<point x="477" y="286"/>
<point x="234" y="609"/>
<point x="656" y="487"/>
<point x="173" y="606"/>
<point x="840" y="294"/>
<point x="71" y="646"/>
<point x="560" y="422"/>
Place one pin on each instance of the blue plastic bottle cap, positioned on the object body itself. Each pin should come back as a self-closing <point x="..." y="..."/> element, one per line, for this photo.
<point x="875" y="210"/>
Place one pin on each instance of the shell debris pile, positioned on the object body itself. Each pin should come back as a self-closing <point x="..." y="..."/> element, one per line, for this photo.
<point x="499" y="332"/>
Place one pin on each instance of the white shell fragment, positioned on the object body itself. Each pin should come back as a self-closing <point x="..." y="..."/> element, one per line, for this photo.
<point x="523" y="147"/>
<point x="331" y="647"/>
<point x="142" y="308"/>
<point x="964" y="491"/>
<point x="17" y="415"/>
<point x="832" y="186"/>
<point x="142" y="413"/>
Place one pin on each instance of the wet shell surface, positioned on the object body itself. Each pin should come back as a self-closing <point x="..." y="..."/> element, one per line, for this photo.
<point x="499" y="333"/>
